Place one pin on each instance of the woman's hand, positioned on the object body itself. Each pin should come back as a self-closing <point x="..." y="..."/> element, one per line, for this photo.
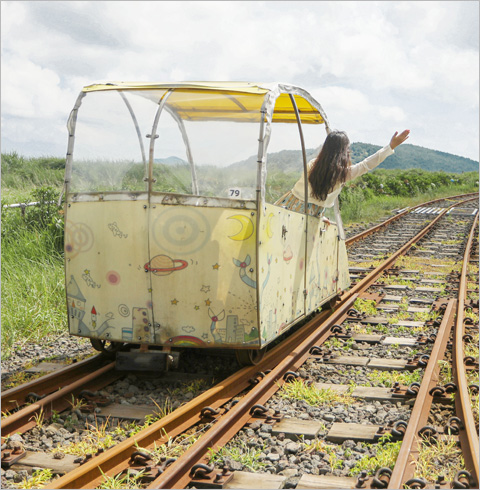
<point x="398" y="139"/>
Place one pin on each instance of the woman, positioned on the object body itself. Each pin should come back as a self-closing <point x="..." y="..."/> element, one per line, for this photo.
<point x="329" y="172"/>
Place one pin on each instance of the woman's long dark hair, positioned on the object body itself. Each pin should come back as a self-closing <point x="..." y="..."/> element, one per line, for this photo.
<point x="331" y="165"/>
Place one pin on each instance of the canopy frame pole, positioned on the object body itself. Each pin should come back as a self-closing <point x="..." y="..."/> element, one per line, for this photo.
<point x="137" y="128"/>
<point x="153" y="136"/>
<point x="305" y="176"/>
<point x="71" y="125"/>
<point x="188" y="149"/>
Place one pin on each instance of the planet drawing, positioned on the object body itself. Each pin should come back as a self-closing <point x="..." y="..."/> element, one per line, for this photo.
<point x="163" y="265"/>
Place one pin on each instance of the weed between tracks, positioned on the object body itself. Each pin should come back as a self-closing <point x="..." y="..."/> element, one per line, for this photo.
<point x="103" y="436"/>
<point x="299" y="390"/>
<point x="386" y="456"/>
<point x="388" y="378"/>
<point x="38" y="479"/>
<point x="366" y="306"/>
<point x="443" y="457"/>
<point x="121" y="481"/>
<point x="240" y="452"/>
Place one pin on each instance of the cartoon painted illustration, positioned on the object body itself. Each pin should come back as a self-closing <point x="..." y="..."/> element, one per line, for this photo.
<point x="163" y="265"/>
<point x="116" y="230"/>
<point x="88" y="280"/>
<point x="213" y="327"/>
<point x="246" y="230"/>
<point x="243" y="271"/>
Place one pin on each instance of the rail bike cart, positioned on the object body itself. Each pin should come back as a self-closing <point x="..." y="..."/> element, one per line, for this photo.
<point x="172" y="234"/>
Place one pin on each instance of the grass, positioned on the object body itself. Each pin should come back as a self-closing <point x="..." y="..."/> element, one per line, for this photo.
<point x="121" y="481"/>
<point x="33" y="283"/>
<point x="386" y="456"/>
<point x="299" y="390"/>
<point x="95" y="438"/>
<point x="38" y="479"/>
<point x="445" y="454"/>
<point x="319" y="446"/>
<point x="366" y="306"/>
<point x="248" y="456"/>
<point x="356" y="209"/>
<point x="388" y="378"/>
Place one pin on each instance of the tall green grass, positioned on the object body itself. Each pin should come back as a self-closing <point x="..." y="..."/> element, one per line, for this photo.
<point x="33" y="286"/>
<point x="33" y="290"/>
<point x="356" y="208"/>
<point x="22" y="173"/>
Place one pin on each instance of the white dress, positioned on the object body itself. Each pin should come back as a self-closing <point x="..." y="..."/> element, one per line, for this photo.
<point x="353" y="172"/>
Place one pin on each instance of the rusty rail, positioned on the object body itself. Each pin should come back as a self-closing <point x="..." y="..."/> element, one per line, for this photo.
<point x="290" y="352"/>
<point x="15" y="397"/>
<point x="404" y="466"/>
<point x="468" y="434"/>
<point x="370" y="231"/>
<point x="115" y="459"/>
<point x="26" y="418"/>
<point x="177" y="474"/>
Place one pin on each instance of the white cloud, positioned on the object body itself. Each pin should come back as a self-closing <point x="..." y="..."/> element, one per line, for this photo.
<point x="372" y="65"/>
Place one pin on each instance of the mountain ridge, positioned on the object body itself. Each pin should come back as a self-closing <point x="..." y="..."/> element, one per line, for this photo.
<point x="406" y="157"/>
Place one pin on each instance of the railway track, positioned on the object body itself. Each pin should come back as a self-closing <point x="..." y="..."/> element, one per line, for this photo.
<point x="248" y="401"/>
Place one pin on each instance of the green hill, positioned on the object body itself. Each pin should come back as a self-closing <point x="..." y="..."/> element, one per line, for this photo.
<point x="410" y="156"/>
<point x="405" y="157"/>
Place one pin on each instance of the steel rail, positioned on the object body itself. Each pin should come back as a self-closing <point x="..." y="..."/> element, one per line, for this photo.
<point x="360" y="236"/>
<point x="15" y="397"/>
<point x="468" y="434"/>
<point x="25" y="418"/>
<point x="405" y="464"/>
<point x="115" y="460"/>
<point x="359" y="286"/>
<point x="177" y="474"/>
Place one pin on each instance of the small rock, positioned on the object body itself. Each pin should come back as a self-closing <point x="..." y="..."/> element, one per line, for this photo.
<point x="133" y="389"/>
<point x="273" y="457"/>
<point x="16" y="438"/>
<point x="292" y="448"/>
<point x="58" y="455"/>
<point x="266" y="428"/>
<point x="289" y="472"/>
<point x="233" y="465"/>
<point x="10" y="474"/>
<point x="20" y="476"/>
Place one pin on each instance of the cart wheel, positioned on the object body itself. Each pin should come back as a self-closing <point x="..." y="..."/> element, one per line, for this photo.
<point x="106" y="347"/>
<point x="250" y="357"/>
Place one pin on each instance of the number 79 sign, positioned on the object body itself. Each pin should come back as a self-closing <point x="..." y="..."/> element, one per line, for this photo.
<point x="235" y="192"/>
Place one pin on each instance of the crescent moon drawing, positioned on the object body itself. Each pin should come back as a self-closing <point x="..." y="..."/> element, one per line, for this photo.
<point x="270" y="219"/>
<point x="246" y="230"/>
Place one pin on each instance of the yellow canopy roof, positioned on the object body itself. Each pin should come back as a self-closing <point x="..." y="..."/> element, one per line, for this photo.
<point x="231" y="101"/>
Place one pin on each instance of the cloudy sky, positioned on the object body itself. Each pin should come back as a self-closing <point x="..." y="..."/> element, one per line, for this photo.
<point x="375" y="67"/>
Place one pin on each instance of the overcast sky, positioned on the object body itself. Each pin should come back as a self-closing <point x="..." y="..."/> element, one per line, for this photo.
<point x="375" y="67"/>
